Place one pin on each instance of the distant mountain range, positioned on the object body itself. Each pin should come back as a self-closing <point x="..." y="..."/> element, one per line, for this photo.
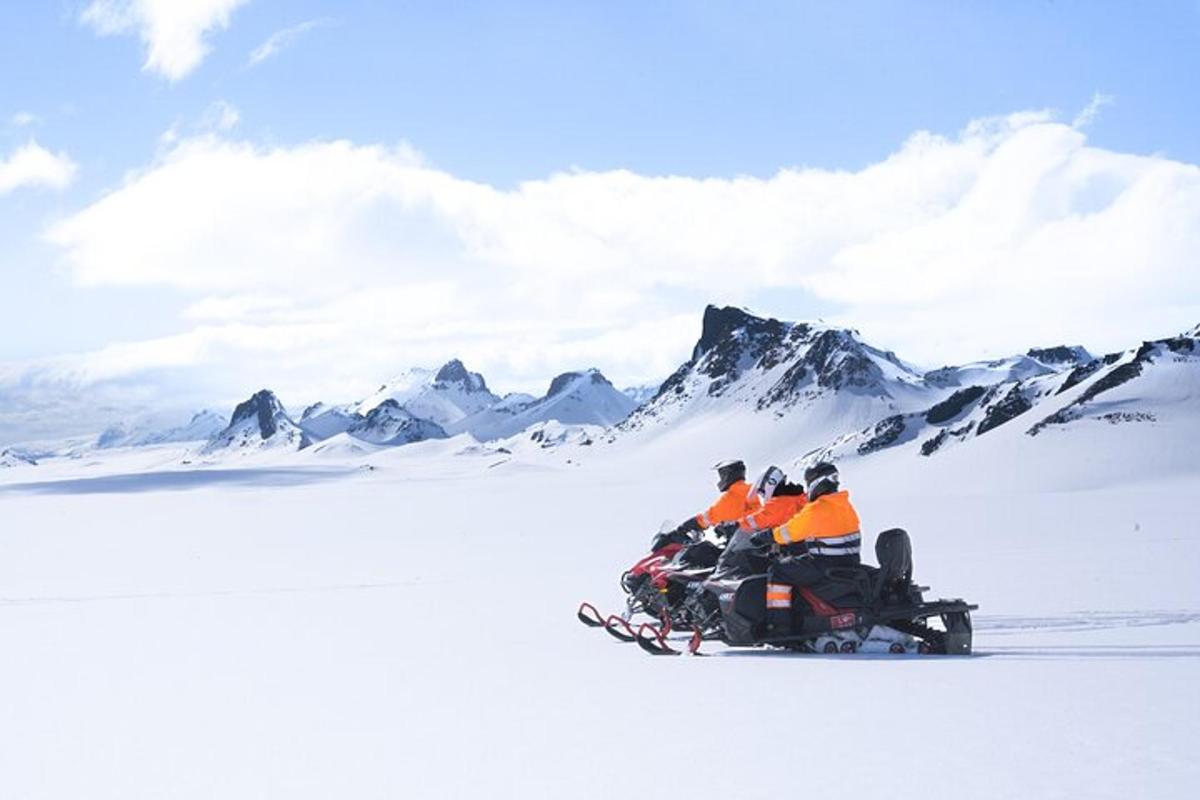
<point x="420" y="404"/>
<point x="751" y="384"/>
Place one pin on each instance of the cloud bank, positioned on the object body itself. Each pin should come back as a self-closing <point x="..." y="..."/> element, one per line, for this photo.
<point x="173" y="31"/>
<point x="322" y="267"/>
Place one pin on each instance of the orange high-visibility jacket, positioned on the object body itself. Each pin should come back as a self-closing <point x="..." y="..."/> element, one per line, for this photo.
<point x="829" y="517"/>
<point x="733" y="504"/>
<point x="776" y="511"/>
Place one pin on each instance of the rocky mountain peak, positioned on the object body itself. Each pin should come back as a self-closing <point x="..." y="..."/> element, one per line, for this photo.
<point x="264" y="406"/>
<point x="725" y="330"/>
<point x="391" y="423"/>
<point x="566" y="380"/>
<point x="1061" y="354"/>
<point x="453" y="371"/>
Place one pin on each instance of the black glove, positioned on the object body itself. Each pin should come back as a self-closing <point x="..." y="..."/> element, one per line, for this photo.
<point x="763" y="539"/>
<point x="725" y="530"/>
<point x="688" y="527"/>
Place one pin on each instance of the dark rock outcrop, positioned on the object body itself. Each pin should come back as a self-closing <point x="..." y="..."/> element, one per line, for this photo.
<point x="954" y="405"/>
<point x="1012" y="405"/>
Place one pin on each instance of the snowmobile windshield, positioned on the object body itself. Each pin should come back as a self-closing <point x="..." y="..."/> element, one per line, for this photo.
<point x="741" y="557"/>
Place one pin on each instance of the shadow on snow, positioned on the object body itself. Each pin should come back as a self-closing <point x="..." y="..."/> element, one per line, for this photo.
<point x="178" y="481"/>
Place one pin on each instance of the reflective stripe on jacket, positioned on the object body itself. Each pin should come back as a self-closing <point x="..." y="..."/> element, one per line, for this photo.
<point x="733" y="504"/>
<point x="778" y="510"/>
<point x="829" y="526"/>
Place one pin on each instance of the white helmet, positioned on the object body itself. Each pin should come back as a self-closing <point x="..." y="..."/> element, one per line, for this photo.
<point x="768" y="482"/>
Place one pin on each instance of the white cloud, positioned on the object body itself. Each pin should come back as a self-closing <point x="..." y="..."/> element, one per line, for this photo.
<point x="1091" y="111"/>
<point x="322" y="267"/>
<point x="34" y="165"/>
<point x="281" y="39"/>
<point x="173" y="31"/>
<point x="23" y="119"/>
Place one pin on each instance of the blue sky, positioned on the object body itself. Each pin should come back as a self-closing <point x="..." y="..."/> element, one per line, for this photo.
<point x="503" y="95"/>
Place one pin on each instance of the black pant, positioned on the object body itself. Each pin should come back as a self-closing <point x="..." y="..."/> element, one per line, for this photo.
<point x="797" y="571"/>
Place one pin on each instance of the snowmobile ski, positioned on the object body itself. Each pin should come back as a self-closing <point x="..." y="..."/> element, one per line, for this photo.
<point x="652" y="640"/>
<point x="618" y="628"/>
<point x="589" y="616"/>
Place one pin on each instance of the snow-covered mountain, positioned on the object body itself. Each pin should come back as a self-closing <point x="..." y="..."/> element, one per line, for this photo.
<point x="10" y="457"/>
<point x="391" y="424"/>
<point x="752" y="383"/>
<point x="258" y="424"/>
<point x="202" y="426"/>
<point x="1035" y="363"/>
<point x="1154" y="383"/>
<point x="759" y="385"/>
<point x="763" y="364"/>
<point x="446" y="396"/>
<point x="574" y="398"/>
<point x="322" y="421"/>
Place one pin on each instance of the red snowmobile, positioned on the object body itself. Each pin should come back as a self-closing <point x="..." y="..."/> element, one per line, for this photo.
<point x="657" y="585"/>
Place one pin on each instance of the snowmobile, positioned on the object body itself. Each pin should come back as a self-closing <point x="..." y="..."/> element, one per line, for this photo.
<point x="853" y="609"/>
<point x="657" y="585"/>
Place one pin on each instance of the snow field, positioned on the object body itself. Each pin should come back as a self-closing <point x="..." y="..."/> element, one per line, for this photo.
<point x="409" y="631"/>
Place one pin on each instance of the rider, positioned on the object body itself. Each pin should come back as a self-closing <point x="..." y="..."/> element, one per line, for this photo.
<point x="734" y="503"/>
<point x="780" y="502"/>
<point x="825" y="533"/>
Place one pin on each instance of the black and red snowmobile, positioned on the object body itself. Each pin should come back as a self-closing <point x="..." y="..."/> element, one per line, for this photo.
<point x="852" y="609"/>
<point x="657" y="585"/>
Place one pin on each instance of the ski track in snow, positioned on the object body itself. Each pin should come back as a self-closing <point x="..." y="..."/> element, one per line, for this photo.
<point x="1001" y="625"/>
<point x="180" y="479"/>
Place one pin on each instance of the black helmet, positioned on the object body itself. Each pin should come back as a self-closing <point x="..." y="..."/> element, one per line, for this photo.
<point x="729" y="473"/>
<point x="822" y="478"/>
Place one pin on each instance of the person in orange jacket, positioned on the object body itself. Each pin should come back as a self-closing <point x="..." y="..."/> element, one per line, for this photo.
<point x="733" y="504"/>
<point x="779" y="501"/>
<point x="824" y="533"/>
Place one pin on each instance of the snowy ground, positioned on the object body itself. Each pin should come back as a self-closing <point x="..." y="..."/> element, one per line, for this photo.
<point x="328" y="632"/>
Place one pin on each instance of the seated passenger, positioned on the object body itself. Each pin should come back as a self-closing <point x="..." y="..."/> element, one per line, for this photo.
<point x="780" y="501"/>
<point x="825" y="533"/>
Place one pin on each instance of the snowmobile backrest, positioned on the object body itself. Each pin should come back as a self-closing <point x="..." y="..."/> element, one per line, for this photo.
<point x="893" y="550"/>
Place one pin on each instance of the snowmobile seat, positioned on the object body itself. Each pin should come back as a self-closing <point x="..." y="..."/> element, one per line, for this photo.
<point x="893" y="551"/>
<point x="845" y="587"/>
